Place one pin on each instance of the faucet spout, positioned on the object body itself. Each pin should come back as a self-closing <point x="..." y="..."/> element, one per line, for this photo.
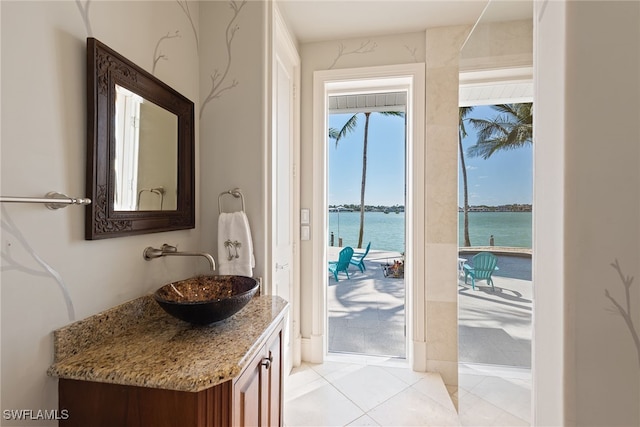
<point x="168" y="250"/>
<point x="212" y="262"/>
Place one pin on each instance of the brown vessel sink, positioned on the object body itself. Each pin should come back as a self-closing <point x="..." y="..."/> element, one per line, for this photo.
<point x="203" y="300"/>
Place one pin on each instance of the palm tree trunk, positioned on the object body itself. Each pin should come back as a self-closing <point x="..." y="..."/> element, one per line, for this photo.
<point x="467" y="241"/>
<point x="364" y="178"/>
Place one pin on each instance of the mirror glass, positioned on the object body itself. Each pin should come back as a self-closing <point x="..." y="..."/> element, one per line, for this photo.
<point x="146" y="154"/>
<point x="140" y="151"/>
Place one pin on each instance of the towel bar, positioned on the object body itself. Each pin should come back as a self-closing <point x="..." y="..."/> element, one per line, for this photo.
<point x="235" y="193"/>
<point x="51" y="200"/>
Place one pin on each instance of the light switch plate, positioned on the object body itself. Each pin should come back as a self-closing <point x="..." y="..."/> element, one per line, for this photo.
<point x="304" y="216"/>
<point x="305" y="232"/>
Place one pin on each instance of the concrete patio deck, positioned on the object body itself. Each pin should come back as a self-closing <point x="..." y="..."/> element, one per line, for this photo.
<point x="494" y="326"/>
<point x="366" y="313"/>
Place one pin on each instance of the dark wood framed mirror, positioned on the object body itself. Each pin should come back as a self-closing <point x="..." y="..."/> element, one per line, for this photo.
<point x="140" y="151"/>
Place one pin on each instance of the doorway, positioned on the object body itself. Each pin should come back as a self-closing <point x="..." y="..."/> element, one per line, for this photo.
<point x="366" y="181"/>
<point x="495" y="222"/>
<point x="406" y="79"/>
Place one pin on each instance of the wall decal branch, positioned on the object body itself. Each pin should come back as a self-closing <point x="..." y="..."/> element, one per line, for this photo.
<point x="412" y="52"/>
<point x="218" y="80"/>
<point x="47" y="271"/>
<point x="184" y="5"/>
<point x="625" y="312"/>
<point x="365" y="47"/>
<point x="84" y="11"/>
<point x="157" y="56"/>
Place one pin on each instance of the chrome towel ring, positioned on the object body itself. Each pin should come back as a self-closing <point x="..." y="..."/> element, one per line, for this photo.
<point x="235" y="193"/>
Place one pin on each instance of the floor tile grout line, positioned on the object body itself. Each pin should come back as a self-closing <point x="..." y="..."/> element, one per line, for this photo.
<point x="368" y="413"/>
<point x="406" y="386"/>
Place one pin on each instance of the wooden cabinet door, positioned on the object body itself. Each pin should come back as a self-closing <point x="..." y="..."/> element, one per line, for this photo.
<point x="273" y="403"/>
<point x="248" y="394"/>
<point x="257" y="393"/>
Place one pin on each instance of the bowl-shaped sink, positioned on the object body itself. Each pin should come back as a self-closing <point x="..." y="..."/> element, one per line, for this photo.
<point x="203" y="300"/>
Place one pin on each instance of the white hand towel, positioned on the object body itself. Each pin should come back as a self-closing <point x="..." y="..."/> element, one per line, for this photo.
<point x="235" y="246"/>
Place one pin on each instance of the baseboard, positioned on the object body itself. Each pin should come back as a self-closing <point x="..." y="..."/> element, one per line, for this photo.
<point x="419" y="356"/>
<point x="313" y="349"/>
<point x="296" y="357"/>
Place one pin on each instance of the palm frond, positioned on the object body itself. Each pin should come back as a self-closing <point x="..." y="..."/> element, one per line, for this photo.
<point x="392" y="113"/>
<point x="463" y="113"/>
<point x="510" y="129"/>
<point x="348" y="127"/>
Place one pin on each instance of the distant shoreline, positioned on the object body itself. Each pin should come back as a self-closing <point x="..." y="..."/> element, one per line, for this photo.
<point x="502" y="208"/>
<point x="513" y="207"/>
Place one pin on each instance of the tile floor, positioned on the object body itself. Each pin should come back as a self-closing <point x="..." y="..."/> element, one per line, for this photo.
<point x="369" y="393"/>
<point x="361" y="391"/>
<point x="491" y="395"/>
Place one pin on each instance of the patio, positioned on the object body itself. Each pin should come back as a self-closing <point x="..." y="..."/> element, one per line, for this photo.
<point x="366" y="313"/>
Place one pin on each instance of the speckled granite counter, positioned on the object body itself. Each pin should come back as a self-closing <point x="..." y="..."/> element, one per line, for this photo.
<point x="138" y="344"/>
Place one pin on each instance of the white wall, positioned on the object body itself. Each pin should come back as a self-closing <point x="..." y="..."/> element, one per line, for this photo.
<point x="232" y="124"/>
<point x="602" y="154"/>
<point x="43" y="149"/>
<point x="496" y="45"/>
<point x="588" y="217"/>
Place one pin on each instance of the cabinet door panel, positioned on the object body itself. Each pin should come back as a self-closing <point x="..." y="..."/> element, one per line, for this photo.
<point x="248" y="395"/>
<point x="274" y="375"/>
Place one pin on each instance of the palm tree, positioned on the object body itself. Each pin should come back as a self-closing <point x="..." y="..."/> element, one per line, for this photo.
<point x="462" y="132"/>
<point x="348" y="127"/>
<point x="511" y="129"/>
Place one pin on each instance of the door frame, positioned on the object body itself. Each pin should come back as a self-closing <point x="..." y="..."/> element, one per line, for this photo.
<point x="281" y="43"/>
<point x="404" y="77"/>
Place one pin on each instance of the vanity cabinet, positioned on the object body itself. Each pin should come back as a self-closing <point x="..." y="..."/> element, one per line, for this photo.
<point x="251" y="398"/>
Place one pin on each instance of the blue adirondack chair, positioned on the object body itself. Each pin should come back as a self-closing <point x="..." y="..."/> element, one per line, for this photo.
<point x="482" y="267"/>
<point x="358" y="258"/>
<point x="342" y="264"/>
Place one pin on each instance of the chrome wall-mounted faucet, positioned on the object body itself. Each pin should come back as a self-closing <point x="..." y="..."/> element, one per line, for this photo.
<point x="168" y="250"/>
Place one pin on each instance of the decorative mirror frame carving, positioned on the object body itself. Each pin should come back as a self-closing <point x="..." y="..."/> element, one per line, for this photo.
<point x="105" y="69"/>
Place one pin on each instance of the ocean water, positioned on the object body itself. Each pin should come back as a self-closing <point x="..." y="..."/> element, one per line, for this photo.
<point x="507" y="228"/>
<point x="386" y="231"/>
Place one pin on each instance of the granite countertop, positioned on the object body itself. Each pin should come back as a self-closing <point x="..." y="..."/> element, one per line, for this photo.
<point x="138" y="344"/>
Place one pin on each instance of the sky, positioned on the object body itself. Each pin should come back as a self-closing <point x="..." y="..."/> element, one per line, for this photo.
<point x="385" y="161"/>
<point x="505" y="178"/>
